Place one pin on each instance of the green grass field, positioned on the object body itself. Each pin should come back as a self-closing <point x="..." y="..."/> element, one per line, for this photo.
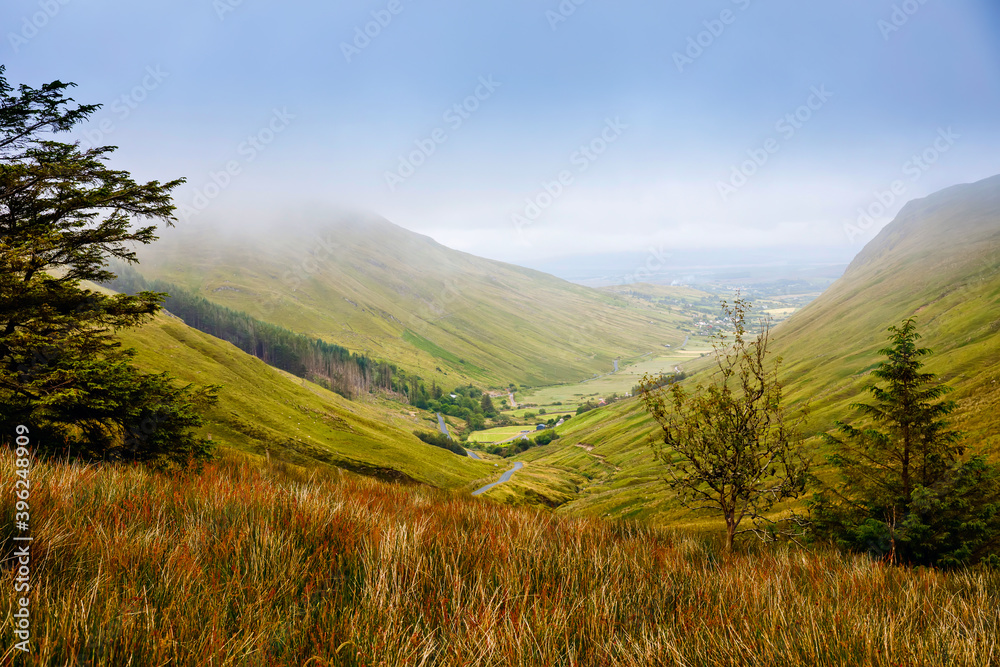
<point x="566" y="398"/>
<point x="381" y="290"/>
<point x="499" y="434"/>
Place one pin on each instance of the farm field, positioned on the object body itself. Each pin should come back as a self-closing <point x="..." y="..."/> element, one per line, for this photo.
<point x="566" y="398"/>
<point x="498" y="434"/>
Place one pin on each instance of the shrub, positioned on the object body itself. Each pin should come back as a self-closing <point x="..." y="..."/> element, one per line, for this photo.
<point x="442" y="441"/>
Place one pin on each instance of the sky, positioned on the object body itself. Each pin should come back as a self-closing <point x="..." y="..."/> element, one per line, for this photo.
<point x="531" y="129"/>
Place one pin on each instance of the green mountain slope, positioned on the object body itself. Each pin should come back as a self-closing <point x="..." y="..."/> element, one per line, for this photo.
<point x="263" y="410"/>
<point x="376" y="288"/>
<point x="938" y="261"/>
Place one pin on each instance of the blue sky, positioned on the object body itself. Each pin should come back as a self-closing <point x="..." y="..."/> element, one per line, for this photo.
<point x="579" y="128"/>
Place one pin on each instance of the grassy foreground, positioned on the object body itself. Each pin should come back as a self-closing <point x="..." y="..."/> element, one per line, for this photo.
<point x="247" y="566"/>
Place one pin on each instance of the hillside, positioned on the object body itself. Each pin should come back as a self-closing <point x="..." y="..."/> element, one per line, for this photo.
<point x="381" y="290"/>
<point x="939" y="261"/>
<point x="262" y="410"/>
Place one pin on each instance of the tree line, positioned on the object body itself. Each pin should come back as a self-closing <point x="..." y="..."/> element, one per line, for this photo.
<point x="469" y="403"/>
<point x="327" y="364"/>
<point x="523" y="444"/>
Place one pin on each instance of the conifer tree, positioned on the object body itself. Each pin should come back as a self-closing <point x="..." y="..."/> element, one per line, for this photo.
<point x="906" y="495"/>
<point x="63" y="213"/>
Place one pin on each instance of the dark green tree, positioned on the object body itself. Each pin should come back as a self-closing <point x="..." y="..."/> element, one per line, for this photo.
<point x="487" y="405"/>
<point x="63" y="214"/>
<point x="906" y="495"/>
<point x="729" y="447"/>
<point x="475" y="421"/>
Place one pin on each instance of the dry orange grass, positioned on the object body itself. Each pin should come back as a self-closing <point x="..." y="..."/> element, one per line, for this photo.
<point x="247" y="566"/>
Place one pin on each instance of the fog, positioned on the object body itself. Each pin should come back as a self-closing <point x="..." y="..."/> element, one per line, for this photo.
<point x="530" y="131"/>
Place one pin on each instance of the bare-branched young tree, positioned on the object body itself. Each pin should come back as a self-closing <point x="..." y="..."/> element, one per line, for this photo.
<point x="728" y="446"/>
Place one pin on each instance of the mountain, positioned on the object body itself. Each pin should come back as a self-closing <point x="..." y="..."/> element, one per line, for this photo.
<point x="376" y="288"/>
<point x="938" y="261"/>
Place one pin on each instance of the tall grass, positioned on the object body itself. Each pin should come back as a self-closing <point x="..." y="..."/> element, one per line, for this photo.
<point x="242" y="565"/>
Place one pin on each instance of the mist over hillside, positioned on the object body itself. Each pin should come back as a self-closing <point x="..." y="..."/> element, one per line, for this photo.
<point x="379" y="289"/>
<point x="939" y="262"/>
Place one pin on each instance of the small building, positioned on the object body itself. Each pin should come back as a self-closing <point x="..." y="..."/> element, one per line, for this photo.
<point x="540" y="427"/>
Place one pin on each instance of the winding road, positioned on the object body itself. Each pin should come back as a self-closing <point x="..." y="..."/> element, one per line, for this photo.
<point x="444" y="429"/>
<point x="442" y="425"/>
<point x="503" y="478"/>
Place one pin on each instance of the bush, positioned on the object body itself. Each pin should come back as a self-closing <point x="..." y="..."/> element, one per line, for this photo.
<point x="442" y="441"/>
<point x="546" y="437"/>
<point x="522" y="445"/>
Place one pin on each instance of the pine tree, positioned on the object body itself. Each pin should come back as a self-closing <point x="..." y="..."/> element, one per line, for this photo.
<point x="63" y="214"/>
<point x="905" y="493"/>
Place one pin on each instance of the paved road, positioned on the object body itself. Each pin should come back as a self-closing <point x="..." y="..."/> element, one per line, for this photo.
<point x="472" y="454"/>
<point x="616" y="365"/>
<point x="503" y="478"/>
<point x="442" y="425"/>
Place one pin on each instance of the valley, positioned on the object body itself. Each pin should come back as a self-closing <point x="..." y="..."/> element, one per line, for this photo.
<point x="939" y="261"/>
<point x="556" y="334"/>
<point x="600" y="464"/>
<point x="267" y="413"/>
<point x="569" y="397"/>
